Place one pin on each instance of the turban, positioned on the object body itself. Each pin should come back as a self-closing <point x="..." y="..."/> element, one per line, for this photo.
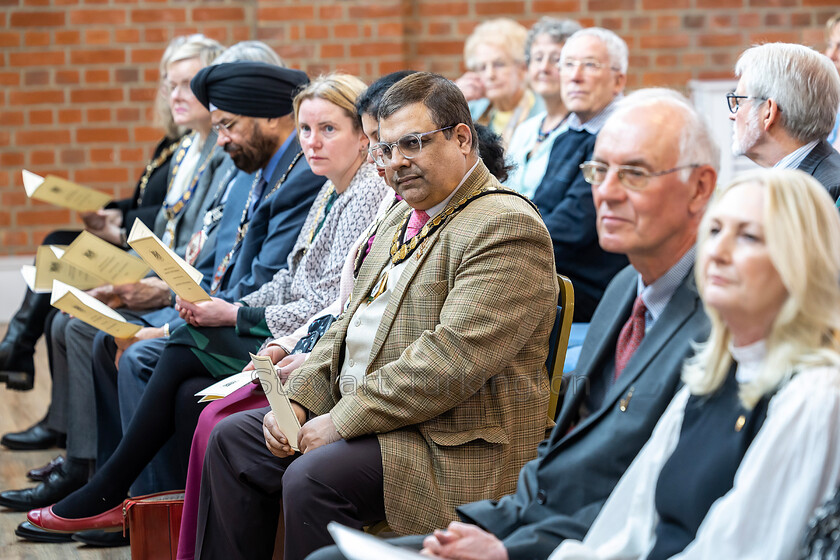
<point x="252" y="89"/>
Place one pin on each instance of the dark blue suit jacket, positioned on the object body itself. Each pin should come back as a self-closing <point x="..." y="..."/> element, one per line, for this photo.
<point x="565" y="201"/>
<point x="823" y="163"/>
<point x="560" y="493"/>
<point x="274" y="227"/>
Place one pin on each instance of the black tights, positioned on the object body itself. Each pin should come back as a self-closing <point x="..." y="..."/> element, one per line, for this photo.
<point x="151" y="427"/>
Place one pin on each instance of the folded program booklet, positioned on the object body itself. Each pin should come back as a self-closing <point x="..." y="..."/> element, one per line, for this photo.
<point x="285" y="415"/>
<point x="49" y="267"/>
<point x="226" y="386"/>
<point x="172" y="269"/>
<point x="62" y="192"/>
<point x="99" y="258"/>
<point x="90" y="310"/>
<point x="356" y="545"/>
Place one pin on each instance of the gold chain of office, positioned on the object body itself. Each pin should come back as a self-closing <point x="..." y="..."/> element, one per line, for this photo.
<point x="400" y="251"/>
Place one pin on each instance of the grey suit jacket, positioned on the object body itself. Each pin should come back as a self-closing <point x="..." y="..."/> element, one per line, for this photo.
<point x="560" y="492"/>
<point x="189" y="220"/>
<point x="823" y="163"/>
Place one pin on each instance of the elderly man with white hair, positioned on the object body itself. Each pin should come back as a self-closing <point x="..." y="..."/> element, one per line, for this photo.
<point x="651" y="174"/>
<point x="783" y="109"/>
<point x="593" y="72"/>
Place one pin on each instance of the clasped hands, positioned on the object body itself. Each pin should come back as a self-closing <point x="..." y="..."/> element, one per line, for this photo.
<point x="462" y="541"/>
<point x="313" y="434"/>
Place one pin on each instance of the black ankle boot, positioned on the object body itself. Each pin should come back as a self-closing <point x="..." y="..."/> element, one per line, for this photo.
<point x="17" y="368"/>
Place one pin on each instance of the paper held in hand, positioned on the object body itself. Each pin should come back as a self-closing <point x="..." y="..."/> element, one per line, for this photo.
<point x="285" y="415"/>
<point x="226" y="386"/>
<point x="62" y="192"/>
<point x="90" y="310"/>
<point x="356" y="545"/>
<point x="172" y="269"/>
<point x="49" y="267"/>
<point x="99" y="258"/>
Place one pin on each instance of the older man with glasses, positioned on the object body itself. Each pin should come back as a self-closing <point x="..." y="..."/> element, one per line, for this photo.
<point x="784" y="108"/>
<point x="593" y="69"/>
<point x="651" y="174"/>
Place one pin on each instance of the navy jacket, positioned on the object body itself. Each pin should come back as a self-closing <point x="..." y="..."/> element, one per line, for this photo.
<point x="560" y="493"/>
<point x="565" y="202"/>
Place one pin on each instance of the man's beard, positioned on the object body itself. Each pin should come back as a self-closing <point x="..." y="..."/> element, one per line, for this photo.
<point x="741" y="146"/>
<point x="255" y="154"/>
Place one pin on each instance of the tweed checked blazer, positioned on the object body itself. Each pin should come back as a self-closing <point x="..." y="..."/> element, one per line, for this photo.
<point x="455" y="388"/>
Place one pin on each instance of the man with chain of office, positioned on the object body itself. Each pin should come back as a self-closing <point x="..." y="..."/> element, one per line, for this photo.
<point x="431" y="389"/>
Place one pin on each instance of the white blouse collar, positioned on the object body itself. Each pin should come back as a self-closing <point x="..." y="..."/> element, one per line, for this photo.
<point x="750" y="359"/>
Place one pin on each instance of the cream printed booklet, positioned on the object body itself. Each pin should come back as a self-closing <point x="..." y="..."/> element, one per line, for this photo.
<point x="172" y="269"/>
<point x="49" y="266"/>
<point x="286" y="418"/>
<point x="62" y="192"/>
<point x="90" y="310"/>
<point x="99" y="258"/>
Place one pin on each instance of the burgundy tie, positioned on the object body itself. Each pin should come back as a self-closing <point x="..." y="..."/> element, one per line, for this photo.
<point x="416" y="222"/>
<point x="630" y="336"/>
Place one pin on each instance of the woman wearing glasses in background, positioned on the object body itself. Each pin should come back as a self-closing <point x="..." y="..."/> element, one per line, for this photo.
<point x="751" y="445"/>
<point x="531" y="143"/>
<point x="495" y="84"/>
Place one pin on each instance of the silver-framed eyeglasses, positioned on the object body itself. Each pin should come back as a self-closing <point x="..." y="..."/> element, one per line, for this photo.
<point x="734" y="101"/>
<point x="632" y="177"/>
<point x="225" y="127"/>
<point x="587" y="65"/>
<point x="409" y="146"/>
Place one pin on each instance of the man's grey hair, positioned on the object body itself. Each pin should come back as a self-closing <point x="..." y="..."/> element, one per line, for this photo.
<point x="250" y="51"/>
<point x="697" y="145"/>
<point x="558" y="30"/>
<point x="616" y="47"/>
<point x="803" y="83"/>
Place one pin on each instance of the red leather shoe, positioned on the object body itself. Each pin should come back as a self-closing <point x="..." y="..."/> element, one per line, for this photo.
<point x="44" y="518"/>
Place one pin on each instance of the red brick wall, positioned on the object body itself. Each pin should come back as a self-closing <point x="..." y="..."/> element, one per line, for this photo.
<point x="78" y="76"/>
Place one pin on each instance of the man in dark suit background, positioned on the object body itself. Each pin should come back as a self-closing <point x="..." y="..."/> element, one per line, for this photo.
<point x="593" y="71"/>
<point x="652" y="173"/>
<point x="783" y="109"/>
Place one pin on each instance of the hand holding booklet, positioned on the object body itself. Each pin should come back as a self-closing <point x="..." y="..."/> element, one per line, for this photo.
<point x="172" y="269"/>
<point x="281" y="406"/>
<point x="62" y="192"/>
<point x="90" y="310"/>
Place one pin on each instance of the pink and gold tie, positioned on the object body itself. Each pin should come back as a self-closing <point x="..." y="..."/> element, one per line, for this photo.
<point x="416" y="222"/>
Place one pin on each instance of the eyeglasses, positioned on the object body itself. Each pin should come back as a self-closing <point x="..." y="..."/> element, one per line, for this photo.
<point x="225" y="127"/>
<point x="496" y="65"/>
<point x="588" y="65"/>
<point x="541" y="58"/>
<point x="409" y="146"/>
<point x="734" y="101"/>
<point x="632" y="177"/>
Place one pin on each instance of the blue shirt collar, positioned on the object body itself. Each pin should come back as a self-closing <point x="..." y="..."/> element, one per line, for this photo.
<point x="657" y="295"/>
<point x="269" y="168"/>
<point x="593" y="125"/>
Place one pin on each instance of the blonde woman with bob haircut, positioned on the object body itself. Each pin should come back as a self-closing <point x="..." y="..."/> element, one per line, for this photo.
<point x="496" y="83"/>
<point x="750" y="447"/>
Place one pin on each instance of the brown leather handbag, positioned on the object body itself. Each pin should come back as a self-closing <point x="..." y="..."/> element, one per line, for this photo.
<point x="154" y="521"/>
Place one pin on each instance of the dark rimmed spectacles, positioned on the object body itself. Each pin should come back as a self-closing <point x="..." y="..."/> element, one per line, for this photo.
<point x="409" y="146"/>
<point x="734" y="101"/>
<point x="632" y="177"/>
